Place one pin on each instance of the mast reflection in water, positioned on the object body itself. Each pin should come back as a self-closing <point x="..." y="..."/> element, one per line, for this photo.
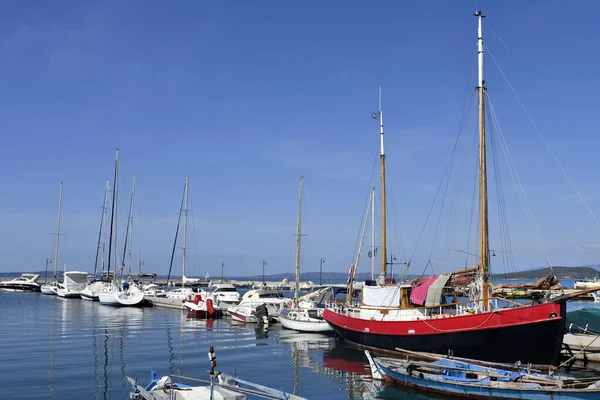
<point x="95" y="346"/>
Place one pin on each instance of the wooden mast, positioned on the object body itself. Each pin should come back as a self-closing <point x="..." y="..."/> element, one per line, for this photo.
<point x="483" y="202"/>
<point x="383" y="206"/>
<point x="373" y="233"/>
<point x="298" y="239"/>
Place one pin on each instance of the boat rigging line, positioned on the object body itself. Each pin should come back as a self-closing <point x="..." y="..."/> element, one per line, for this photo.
<point x="539" y="132"/>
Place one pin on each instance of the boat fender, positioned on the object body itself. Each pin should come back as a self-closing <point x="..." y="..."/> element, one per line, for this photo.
<point x="213" y="359"/>
<point x="197" y="299"/>
<point x="552" y="315"/>
<point x="209" y="307"/>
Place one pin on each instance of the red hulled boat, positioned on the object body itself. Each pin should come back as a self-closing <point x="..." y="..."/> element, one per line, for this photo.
<point x="414" y="317"/>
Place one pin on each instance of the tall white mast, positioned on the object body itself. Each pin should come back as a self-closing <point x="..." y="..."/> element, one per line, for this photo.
<point x="185" y="215"/>
<point x="116" y="197"/>
<point x="105" y="216"/>
<point x="483" y="202"/>
<point x="298" y="239"/>
<point x="373" y="233"/>
<point x="131" y="224"/>
<point x="58" y="229"/>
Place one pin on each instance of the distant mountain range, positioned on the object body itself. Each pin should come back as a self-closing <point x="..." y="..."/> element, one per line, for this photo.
<point x="565" y="273"/>
<point x="328" y="277"/>
<point x="584" y="272"/>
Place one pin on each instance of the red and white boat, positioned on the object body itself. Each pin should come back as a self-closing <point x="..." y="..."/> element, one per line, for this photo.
<point x="202" y="308"/>
<point x="414" y="317"/>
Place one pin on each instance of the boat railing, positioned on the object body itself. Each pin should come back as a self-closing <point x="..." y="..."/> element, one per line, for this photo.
<point x="436" y="311"/>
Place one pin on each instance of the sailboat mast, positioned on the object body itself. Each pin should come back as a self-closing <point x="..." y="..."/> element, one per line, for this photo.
<point x="383" y="206"/>
<point x="298" y="239"/>
<point x="185" y="215"/>
<point x="483" y="202"/>
<point x="131" y="224"/>
<point x="58" y="228"/>
<point x="100" y="233"/>
<point x="105" y="215"/>
<point x="373" y="233"/>
<point x="113" y="253"/>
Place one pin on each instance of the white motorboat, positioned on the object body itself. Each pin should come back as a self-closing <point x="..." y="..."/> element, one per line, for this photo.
<point x="92" y="289"/>
<point x="251" y="314"/>
<point x="582" y="341"/>
<point x="24" y="283"/>
<point x="305" y="320"/>
<point x="260" y="305"/>
<point x="184" y="293"/>
<point x="224" y="295"/>
<point x="50" y="288"/>
<point x="72" y="285"/>
<point x="153" y="290"/>
<point x="202" y="307"/>
<point x="587" y="284"/>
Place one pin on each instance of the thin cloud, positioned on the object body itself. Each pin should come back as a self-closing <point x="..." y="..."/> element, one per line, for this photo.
<point x="588" y="248"/>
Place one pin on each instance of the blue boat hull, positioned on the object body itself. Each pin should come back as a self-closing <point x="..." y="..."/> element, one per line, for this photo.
<point x="450" y="388"/>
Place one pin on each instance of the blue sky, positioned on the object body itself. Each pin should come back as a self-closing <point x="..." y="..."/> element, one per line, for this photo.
<point x="244" y="96"/>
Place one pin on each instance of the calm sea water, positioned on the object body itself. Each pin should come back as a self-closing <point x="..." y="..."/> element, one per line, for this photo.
<point x="58" y="348"/>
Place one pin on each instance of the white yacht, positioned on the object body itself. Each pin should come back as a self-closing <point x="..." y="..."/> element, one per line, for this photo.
<point x="153" y="290"/>
<point x="273" y="300"/>
<point x="50" y="288"/>
<point x="184" y="293"/>
<point x="224" y="295"/>
<point x="24" y="283"/>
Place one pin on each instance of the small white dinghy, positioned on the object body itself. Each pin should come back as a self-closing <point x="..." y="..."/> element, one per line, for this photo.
<point x="305" y="320"/>
<point x="219" y="386"/>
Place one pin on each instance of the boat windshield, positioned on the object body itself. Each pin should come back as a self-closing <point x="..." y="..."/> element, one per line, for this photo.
<point x="226" y="289"/>
<point x="271" y="295"/>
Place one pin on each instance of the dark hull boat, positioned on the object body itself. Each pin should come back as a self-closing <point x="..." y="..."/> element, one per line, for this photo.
<point x="415" y="316"/>
<point x="24" y="283"/>
<point x="531" y="334"/>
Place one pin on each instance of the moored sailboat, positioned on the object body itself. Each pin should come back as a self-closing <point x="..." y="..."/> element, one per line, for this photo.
<point x="413" y="317"/>
<point x="115" y="294"/>
<point x="50" y="288"/>
<point x="90" y="292"/>
<point x="308" y="318"/>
